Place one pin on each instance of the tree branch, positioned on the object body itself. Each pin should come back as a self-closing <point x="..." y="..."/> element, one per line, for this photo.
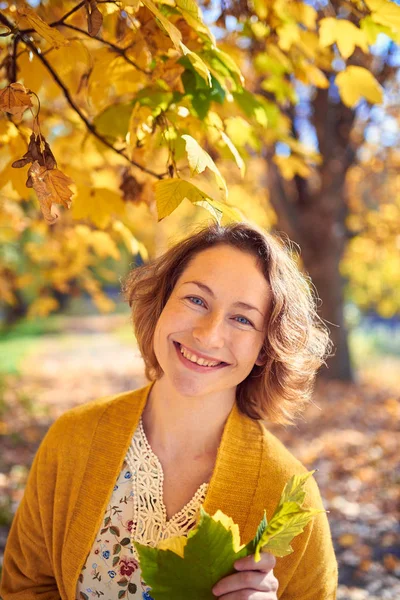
<point x="117" y="49"/>
<point x="13" y="77"/>
<point x="78" y="111"/>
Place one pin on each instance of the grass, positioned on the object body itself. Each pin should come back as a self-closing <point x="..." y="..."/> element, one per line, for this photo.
<point x="22" y="339"/>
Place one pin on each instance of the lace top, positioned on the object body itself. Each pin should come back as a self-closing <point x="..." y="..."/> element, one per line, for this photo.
<point x="135" y="512"/>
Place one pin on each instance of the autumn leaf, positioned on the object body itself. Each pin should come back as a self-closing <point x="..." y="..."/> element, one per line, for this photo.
<point x="385" y="13"/>
<point x="38" y="150"/>
<point x="51" y="187"/>
<point x="344" y="33"/>
<point x="199" y="160"/>
<point x="50" y="34"/>
<point x="15" y="99"/>
<point x="288" y="520"/>
<point x="355" y="83"/>
<point x="94" y="17"/>
<point x="188" y="567"/>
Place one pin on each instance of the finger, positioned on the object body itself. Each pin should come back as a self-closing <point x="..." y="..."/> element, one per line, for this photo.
<point x="254" y="580"/>
<point x="249" y="595"/>
<point x="265" y="564"/>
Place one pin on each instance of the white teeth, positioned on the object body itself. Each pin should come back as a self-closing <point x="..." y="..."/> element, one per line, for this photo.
<point x="195" y="359"/>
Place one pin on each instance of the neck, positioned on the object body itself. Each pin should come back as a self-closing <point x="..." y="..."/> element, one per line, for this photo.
<point x="177" y="425"/>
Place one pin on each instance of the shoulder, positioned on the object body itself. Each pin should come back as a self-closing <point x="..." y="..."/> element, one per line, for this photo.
<point x="82" y="421"/>
<point x="279" y="465"/>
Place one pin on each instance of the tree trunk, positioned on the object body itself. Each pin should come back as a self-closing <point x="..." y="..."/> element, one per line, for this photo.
<point x="313" y="214"/>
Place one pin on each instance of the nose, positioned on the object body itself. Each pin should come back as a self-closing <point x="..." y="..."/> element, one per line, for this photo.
<point x="209" y="331"/>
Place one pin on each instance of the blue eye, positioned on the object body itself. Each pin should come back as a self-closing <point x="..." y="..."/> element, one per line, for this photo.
<point x="196" y="300"/>
<point x="244" y="321"/>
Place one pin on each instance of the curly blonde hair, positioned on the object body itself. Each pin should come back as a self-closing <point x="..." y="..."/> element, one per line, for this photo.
<point x="296" y="342"/>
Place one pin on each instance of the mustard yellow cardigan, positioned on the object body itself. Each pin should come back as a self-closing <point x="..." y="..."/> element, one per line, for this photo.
<point x="73" y="475"/>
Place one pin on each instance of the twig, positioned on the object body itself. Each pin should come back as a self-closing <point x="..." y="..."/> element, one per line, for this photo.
<point x="13" y="77"/>
<point x="78" y="111"/>
<point x="25" y="39"/>
<point x="68" y="14"/>
<point x="117" y="49"/>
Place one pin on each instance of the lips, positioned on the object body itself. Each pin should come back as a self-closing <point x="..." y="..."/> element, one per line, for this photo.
<point x="196" y="366"/>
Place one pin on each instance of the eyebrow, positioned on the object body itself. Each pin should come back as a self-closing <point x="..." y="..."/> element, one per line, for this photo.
<point x="209" y="291"/>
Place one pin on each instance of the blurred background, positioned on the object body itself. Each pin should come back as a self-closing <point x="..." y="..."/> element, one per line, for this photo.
<point x="301" y="115"/>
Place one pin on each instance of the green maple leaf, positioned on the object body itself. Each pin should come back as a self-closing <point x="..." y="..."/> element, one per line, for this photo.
<point x="188" y="567"/>
<point x="208" y="555"/>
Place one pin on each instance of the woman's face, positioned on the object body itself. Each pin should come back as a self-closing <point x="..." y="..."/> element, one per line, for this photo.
<point x="212" y="328"/>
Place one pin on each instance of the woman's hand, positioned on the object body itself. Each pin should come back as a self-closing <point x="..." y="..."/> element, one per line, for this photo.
<point x="254" y="581"/>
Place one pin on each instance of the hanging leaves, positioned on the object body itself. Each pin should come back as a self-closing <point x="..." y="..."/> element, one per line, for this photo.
<point x="38" y="150"/>
<point x="94" y="17"/>
<point x="15" y="99"/>
<point x="51" y="187"/>
<point x="188" y="567"/>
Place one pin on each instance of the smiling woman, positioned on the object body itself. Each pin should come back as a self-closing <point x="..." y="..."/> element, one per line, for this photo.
<point x="228" y="330"/>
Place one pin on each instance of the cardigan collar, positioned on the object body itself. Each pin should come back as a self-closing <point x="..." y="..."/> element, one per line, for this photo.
<point x="232" y="487"/>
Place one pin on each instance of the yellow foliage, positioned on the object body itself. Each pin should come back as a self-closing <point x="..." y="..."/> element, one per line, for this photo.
<point x="344" y="33"/>
<point x="292" y="165"/>
<point x="98" y="205"/>
<point x="385" y="12"/>
<point x="42" y="306"/>
<point x="355" y="83"/>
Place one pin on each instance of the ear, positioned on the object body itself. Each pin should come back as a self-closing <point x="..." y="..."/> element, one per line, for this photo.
<point x="260" y="362"/>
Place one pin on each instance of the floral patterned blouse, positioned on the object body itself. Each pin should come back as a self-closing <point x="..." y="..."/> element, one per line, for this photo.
<point x="135" y="512"/>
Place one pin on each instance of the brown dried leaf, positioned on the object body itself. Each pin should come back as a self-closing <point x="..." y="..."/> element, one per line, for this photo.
<point x="38" y="150"/>
<point x="51" y="187"/>
<point x="131" y="188"/>
<point x="94" y="17"/>
<point x="15" y="99"/>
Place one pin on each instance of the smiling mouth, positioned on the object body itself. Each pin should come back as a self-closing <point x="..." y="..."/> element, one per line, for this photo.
<point x="197" y="360"/>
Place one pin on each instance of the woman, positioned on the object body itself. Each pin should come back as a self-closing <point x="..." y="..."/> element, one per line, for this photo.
<point x="228" y="331"/>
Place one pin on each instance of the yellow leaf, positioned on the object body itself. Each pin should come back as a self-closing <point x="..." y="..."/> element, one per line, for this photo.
<point x="17" y="179"/>
<point x="191" y="12"/>
<point x="31" y="71"/>
<point x="372" y="29"/>
<point x="292" y="165"/>
<point x="355" y="83"/>
<point x="302" y="13"/>
<point x="175" y="544"/>
<point x="51" y="187"/>
<point x="50" y="34"/>
<point x="288" y="33"/>
<point x="222" y="213"/>
<point x="57" y="184"/>
<point x="260" y="8"/>
<point x="104" y="245"/>
<point x="170" y="29"/>
<point x="344" y="33"/>
<point x="15" y="99"/>
<point x="42" y="306"/>
<point x="199" y="160"/>
<point x="169" y="194"/>
<point x="316" y="76"/>
<point x="198" y="64"/>
<point x="385" y="12"/>
<point x="97" y="204"/>
<point x="229" y="525"/>
<point x="239" y="160"/>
